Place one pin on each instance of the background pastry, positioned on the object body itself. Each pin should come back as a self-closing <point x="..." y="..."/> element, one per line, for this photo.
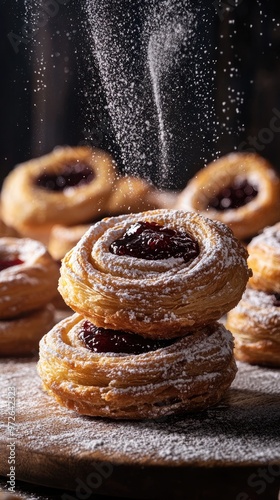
<point x="67" y="186"/>
<point x="240" y="189"/>
<point x="130" y="195"/>
<point x="63" y="238"/>
<point x="28" y="278"/>
<point x="255" y="324"/>
<point x="264" y="259"/>
<point x="20" y="336"/>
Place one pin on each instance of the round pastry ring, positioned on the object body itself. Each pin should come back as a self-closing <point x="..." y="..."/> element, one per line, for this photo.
<point x="190" y="374"/>
<point x="29" y="285"/>
<point x="35" y="206"/>
<point x="248" y="219"/>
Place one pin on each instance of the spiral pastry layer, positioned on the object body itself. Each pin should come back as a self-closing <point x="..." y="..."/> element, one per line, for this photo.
<point x="188" y="375"/>
<point x="156" y="298"/>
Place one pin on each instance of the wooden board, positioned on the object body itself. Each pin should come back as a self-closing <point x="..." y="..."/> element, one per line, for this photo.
<point x="149" y="459"/>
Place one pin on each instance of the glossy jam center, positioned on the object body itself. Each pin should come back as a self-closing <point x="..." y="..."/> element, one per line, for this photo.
<point x="151" y="241"/>
<point x="238" y="194"/>
<point x="4" y="264"/>
<point x="72" y="174"/>
<point x="118" y="342"/>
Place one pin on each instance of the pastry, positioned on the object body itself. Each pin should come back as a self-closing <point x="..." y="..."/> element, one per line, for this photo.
<point x="264" y="259"/>
<point x="6" y="230"/>
<point x="20" y="336"/>
<point x="63" y="238"/>
<point x="68" y="186"/>
<point x="137" y="378"/>
<point x="28" y="276"/>
<point x="241" y="190"/>
<point x="255" y="325"/>
<point x="131" y="194"/>
<point x="190" y="272"/>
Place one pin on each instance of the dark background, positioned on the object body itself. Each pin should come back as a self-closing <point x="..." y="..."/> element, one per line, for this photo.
<point x="33" y="122"/>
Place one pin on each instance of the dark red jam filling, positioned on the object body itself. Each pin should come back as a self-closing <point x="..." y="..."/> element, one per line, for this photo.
<point x="4" y="264"/>
<point x="118" y="342"/>
<point x="276" y="301"/>
<point x="238" y="194"/>
<point x="73" y="174"/>
<point x="151" y="241"/>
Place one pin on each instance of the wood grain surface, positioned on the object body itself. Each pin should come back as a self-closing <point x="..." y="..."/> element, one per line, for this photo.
<point x="150" y="459"/>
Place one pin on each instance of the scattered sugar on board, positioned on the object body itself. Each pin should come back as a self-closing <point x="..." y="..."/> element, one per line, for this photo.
<point x="241" y="429"/>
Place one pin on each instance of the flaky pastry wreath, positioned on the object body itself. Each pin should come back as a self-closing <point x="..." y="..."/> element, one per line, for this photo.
<point x="255" y="325"/>
<point x="264" y="259"/>
<point x="157" y="298"/>
<point x="67" y="186"/>
<point x="189" y="374"/>
<point x="241" y="190"/>
<point x="20" y="336"/>
<point x="28" y="276"/>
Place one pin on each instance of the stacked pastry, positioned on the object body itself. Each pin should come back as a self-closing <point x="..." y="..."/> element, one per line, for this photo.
<point x="28" y="277"/>
<point x="241" y="190"/>
<point x="255" y="322"/>
<point x="144" y="342"/>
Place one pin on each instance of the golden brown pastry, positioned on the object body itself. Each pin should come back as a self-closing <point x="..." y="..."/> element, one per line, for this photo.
<point x="68" y="186"/>
<point x="241" y="190"/>
<point x="20" y="336"/>
<point x="63" y="238"/>
<point x="28" y="276"/>
<point x="6" y="230"/>
<point x="190" y="272"/>
<point x="255" y="324"/>
<point x="131" y="194"/>
<point x="191" y="373"/>
<point x="264" y="259"/>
